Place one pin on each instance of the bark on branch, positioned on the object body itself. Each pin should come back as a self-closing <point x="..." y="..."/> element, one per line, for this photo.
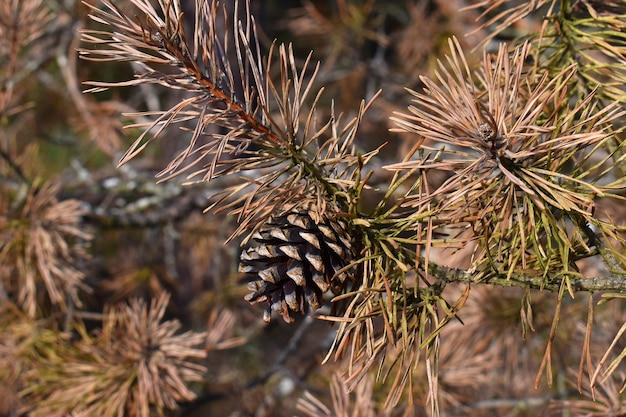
<point x="613" y="282"/>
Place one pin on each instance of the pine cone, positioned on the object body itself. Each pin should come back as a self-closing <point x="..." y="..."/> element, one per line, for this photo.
<point x="293" y="259"/>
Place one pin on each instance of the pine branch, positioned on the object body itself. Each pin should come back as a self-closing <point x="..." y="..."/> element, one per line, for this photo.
<point x="119" y="202"/>
<point x="611" y="282"/>
<point x="505" y="138"/>
<point x="17" y="170"/>
<point x="242" y="121"/>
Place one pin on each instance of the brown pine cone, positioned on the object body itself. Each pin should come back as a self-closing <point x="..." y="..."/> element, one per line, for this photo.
<point x="292" y="261"/>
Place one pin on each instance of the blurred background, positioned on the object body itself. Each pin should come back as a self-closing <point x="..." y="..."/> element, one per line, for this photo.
<point x="131" y="237"/>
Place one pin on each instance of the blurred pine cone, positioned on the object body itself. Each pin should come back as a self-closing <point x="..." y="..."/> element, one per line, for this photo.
<point x="293" y="259"/>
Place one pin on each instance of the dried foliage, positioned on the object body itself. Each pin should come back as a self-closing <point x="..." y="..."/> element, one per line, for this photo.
<point x="516" y="157"/>
<point x="344" y="32"/>
<point x="343" y="405"/>
<point x="590" y="34"/>
<point x="506" y="170"/>
<point x="587" y="33"/>
<point x="499" y="15"/>
<point x="136" y="365"/>
<point x="21" y="23"/>
<point x="520" y="152"/>
<point x="282" y="152"/>
<point x="42" y="247"/>
<point x="605" y="400"/>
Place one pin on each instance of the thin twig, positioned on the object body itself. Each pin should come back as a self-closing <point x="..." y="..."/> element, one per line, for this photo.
<point x="15" y="168"/>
